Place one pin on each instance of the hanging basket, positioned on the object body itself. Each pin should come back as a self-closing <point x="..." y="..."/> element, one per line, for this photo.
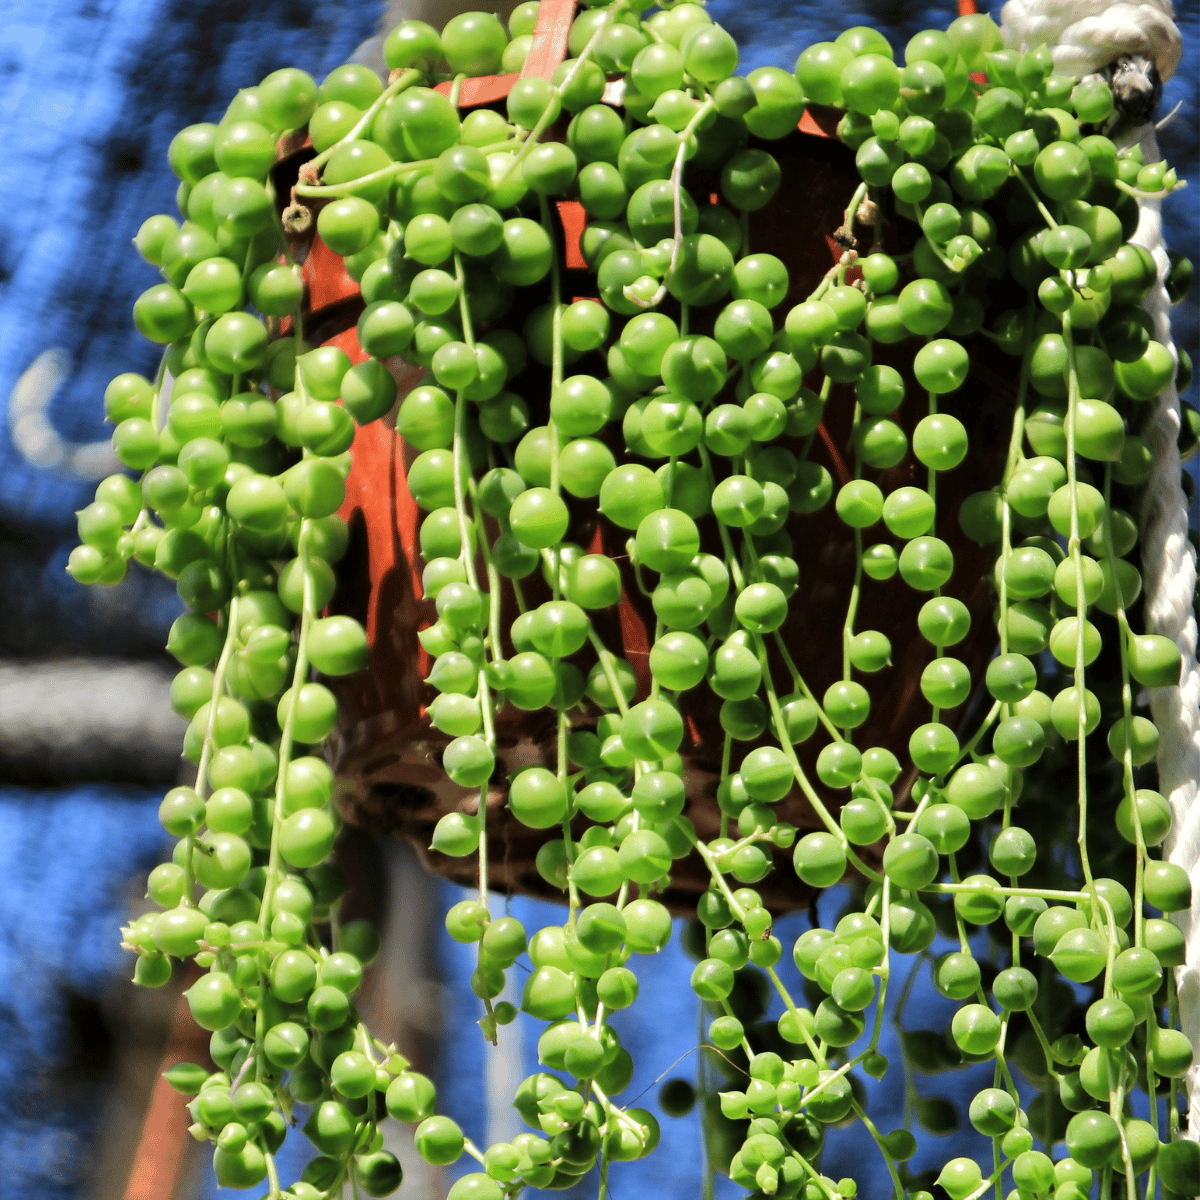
<point x="385" y="753"/>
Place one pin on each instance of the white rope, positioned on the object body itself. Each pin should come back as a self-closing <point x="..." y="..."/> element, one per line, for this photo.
<point x="1169" y="579"/>
<point x="1086" y="35"/>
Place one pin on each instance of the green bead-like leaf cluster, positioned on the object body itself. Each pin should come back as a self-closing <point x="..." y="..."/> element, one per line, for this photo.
<point x="992" y="219"/>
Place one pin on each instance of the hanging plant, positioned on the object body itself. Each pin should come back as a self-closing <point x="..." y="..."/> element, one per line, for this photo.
<point x="806" y="422"/>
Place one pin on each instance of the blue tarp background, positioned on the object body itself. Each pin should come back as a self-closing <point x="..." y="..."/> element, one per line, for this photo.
<point x="91" y="92"/>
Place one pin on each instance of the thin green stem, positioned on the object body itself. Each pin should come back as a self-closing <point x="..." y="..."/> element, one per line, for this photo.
<point x="1076" y="555"/>
<point x="551" y="110"/>
<point x="887" y="1158"/>
<point x="1127" y="783"/>
<point x="365" y="122"/>
<point x="851" y="214"/>
<point x="1040" y="1034"/>
<point x="556" y="360"/>
<point x="470" y="522"/>
<point x="210" y="732"/>
<point x="494" y="589"/>
<point x="950" y="889"/>
<point x="1047" y="216"/>
<point x="798" y="771"/>
<point x="1173" y="1014"/>
<point x="299" y="675"/>
<point x="852" y="609"/>
<point x="392" y="171"/>
<point x="676" y="181"/>
<point x="274" y="1191"/>
<point x="988" y="721"/>
<point x="814" y="1048"/>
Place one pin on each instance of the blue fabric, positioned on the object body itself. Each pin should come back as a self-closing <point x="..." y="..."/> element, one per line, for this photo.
<point x="64" y="861"/>
<point x="50" y="615"/>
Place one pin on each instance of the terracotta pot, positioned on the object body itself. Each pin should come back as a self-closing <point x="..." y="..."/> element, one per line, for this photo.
<point x="386" y="755"/>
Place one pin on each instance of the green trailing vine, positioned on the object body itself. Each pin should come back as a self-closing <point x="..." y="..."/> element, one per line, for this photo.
<point x="989" y="210"/>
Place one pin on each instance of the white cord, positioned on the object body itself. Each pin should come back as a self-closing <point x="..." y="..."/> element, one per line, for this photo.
<point x="1169" y="578"/>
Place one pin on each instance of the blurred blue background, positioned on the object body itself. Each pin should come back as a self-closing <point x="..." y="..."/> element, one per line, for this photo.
<point x="91" y="91"/>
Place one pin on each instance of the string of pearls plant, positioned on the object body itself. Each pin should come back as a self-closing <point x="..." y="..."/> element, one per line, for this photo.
<point x="1012" y="213"/>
